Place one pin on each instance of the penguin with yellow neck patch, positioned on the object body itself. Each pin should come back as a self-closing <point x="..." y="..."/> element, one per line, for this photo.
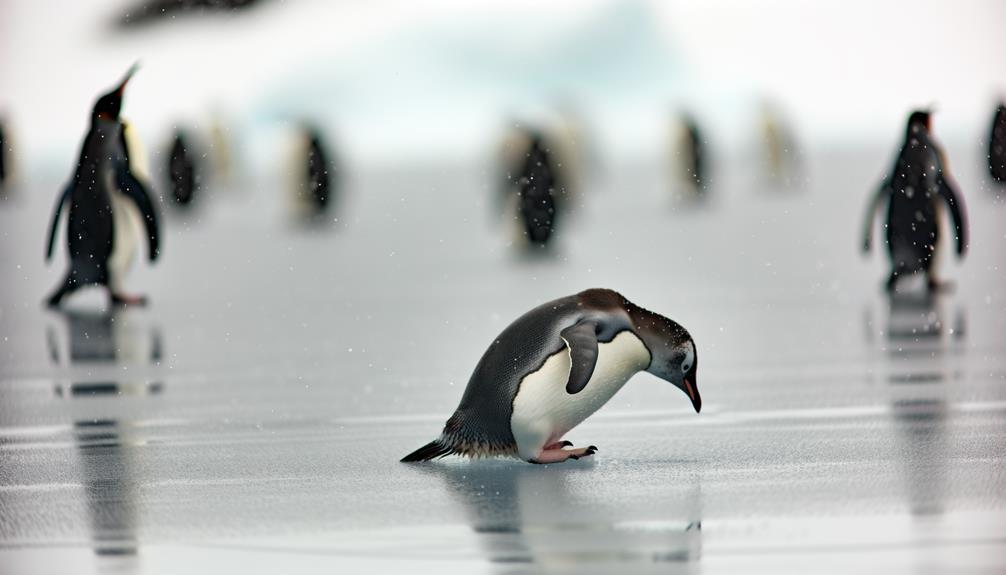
<point x="108" y="204"/>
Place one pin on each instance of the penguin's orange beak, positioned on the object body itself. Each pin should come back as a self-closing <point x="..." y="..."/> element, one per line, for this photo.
<point x="693" y="394"/>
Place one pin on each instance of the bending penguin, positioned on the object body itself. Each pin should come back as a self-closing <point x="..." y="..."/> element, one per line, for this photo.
<point x="107" y="204"/>
<point x="553" y="367"/>
<point x="911" y="192"/>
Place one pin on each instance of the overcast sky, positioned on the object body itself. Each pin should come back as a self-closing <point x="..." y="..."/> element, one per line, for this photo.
<point x="398" y="80"/>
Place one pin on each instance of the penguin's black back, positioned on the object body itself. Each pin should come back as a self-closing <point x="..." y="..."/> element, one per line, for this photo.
<point x="90" y="225"/>
<point x="318" y="180"/>
<point x="912" y="226"/>
<point x="537" y="195"/>
<point x="997" y="146"/>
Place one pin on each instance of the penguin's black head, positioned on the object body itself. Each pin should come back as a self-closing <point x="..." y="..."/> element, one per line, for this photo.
<point x="673" y="355"/>
<point x="109" y="105"/>
<point x="918" y="121"/>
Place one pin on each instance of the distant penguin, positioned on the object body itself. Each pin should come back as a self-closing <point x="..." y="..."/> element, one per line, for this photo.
<point x="3" y="155"/>
<point x="918" y="179"/>
<point x="314" y="175"/>
<point x="997" y="145"/>
<point x="182" y="171"/>
<point x="536" y="192"/>
<point x="107" y="204"/>
<point x="691" y="155"/>
<point x="220" y="149"/>
<point x="555" y="366"/>
<point x="319" y="181"/>
<point x="779" y="147"/>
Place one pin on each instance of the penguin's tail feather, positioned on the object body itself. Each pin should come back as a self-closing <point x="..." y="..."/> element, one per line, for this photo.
<point x="433" y="450"/>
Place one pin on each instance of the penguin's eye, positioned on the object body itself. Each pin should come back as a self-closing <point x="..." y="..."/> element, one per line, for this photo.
<point x="686" y="365"/>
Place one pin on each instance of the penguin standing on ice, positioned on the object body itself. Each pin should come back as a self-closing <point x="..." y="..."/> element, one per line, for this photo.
<point x="3" y="155"/>
<point x="319" y="182"/>
<point x="182" y="171"/>
<point x="107" y="204"/>
<point x="553" y="367"/>
<point x="918" y="179"/>
<point x="313" y="182"/>
<point x="997" y="146"/>
<point x="691" y="155"/>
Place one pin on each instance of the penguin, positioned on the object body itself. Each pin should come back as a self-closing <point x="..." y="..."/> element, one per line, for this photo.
<point x="182" y="171"/>
<point x="997" y="146"/>
<point x="313" y="181"/>
<point x="107" y="202"/>
<point x="3" y="155"/>
<point x="319" y="183"/>
<point x="555" y="366"/>
<point x="779" y="144"/>
<point x="918" y="178"/>
<point x="537" y="191"/>
<point x="691" y="155"/>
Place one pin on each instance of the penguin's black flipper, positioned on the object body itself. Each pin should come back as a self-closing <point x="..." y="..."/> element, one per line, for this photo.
<point x="960" y="222"/>
<point x="431" y="450"/>
<point x="137" y="192"/>
<point x="55" y="219"/>
<point x="882" y="194"/>
<point x="581" y="338"/>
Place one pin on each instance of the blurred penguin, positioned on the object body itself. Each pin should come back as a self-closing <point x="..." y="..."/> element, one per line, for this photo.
<point x="182" y="174"/>
<point x="220" y="149"/>
<point x="108" y="204"/>
<point x="313" y="187"/>
<point x="690" y="156"/>
<point x="4" y="143"/>
<point x="559" y="142"/>
<point x="780" y="152"/>
<point x="918" y="180"/>
<point x="536" y="195"/>
<point x="997" y="145"/>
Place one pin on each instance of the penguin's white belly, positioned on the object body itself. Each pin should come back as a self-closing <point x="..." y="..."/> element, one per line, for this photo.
<point x="543" y="411"/>
<point x="126" y="228"/>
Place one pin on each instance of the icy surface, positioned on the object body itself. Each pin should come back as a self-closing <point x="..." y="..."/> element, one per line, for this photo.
<point x="251" y="419"/>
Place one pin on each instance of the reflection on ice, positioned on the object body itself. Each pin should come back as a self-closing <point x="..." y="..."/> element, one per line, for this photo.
<point x="531" y="514"/>
<point x="112" y="339"/>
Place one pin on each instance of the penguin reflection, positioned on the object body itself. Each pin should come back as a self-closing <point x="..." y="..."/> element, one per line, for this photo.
<point x="103" y="444"/>
<point x="99" y="337"/>
<point x="918" y="340"/>
<point x="513" y="507"/>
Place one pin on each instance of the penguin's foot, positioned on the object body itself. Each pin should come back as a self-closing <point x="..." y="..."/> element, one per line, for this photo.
<point x="936" y="286"/>
<point x="560" y="455"/>
<point x="125" y="299"/>
<point x="559" y="444"/>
